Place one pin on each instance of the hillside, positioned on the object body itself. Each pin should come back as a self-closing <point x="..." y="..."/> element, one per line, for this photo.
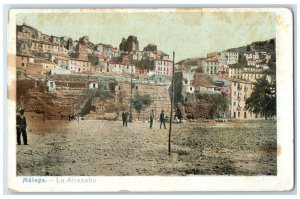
<point x="259" y="46"/>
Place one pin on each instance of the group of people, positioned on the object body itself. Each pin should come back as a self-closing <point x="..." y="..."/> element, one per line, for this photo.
<point x="22" y="125"/>
<point x="162" y="119"/>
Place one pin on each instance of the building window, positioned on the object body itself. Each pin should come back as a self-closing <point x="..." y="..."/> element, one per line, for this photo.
<point x="136" y="88"/>
<point x="191" y="88"/>
<point x="234" y="103"/>
<point x="51" y="84"/>
<point x="94" y="85"/>
<point x="239" y="114"/>
<point x="23" y="64"/>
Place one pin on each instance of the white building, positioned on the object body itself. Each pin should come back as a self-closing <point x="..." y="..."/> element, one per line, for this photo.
<point x="117" y="67"/>
<point x="51" y="85"/>
<point x="187" y="82"/>
<point x="78" y="65"/>
<point x="60" y="71"/>
<point x="229" y="57"/>
<point x="93" y="84"/>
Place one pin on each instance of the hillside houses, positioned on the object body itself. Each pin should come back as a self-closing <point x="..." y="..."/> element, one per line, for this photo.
<point x="64" y="55"/>
<point x="69" y="67"/>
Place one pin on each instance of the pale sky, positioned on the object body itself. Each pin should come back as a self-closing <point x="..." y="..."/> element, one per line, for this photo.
<point x="189" y="34"/>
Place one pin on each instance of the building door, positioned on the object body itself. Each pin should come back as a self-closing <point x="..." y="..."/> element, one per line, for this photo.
<point x="234" y="114"/>
<point x="245" y="115"/>
<point x="239" y="114"/>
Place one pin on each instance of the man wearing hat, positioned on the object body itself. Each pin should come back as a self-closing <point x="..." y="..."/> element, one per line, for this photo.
<point x="21" y="128"/>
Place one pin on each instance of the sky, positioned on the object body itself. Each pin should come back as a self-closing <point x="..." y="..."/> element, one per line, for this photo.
<point x="189" y="34"/>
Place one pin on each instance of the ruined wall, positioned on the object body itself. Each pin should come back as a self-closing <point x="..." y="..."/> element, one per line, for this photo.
<point x="52" y="106"/>
<point x="159" y="95"/>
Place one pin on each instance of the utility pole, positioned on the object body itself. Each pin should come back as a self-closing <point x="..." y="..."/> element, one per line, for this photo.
<point x="172" y="102"/>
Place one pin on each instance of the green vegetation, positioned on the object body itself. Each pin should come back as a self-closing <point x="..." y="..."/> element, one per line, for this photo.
<point x="145" y="63"/>
<point x="94" y="61"/>
<point x="263" y="99"/>
<point x="140" y="102"/>
<point x="220" y="105"/>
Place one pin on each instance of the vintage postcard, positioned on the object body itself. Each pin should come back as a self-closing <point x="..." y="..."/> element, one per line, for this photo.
<point x="109" y="100"/>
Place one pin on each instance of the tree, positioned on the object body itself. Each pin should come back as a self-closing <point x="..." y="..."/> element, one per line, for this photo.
<point x="140" y="102"/>
<point x="219" y="105"/>
<point x="263" y="99"/>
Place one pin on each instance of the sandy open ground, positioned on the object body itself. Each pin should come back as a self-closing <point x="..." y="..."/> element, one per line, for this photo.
<point x="100" y="148"/>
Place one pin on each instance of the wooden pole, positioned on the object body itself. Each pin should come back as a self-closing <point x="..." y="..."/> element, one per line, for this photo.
<point x="172" y="102"/>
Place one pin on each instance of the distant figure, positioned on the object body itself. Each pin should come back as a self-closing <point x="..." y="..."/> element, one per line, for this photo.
<point x="178" y="114"/>
<point x="162" y="119"/>
<point x="21" y="128"/>
<point x="125" y="118"/>
<point x="151" y="118"/>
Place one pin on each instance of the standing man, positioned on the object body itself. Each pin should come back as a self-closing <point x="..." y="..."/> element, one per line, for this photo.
<point x="124" y="118"/>
<point x="162" y="119"/>
<point x="21" y="128"/>
<point x="151" y="118"/>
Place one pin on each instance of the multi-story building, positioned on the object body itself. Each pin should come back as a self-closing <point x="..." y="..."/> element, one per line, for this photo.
<point x="211" y="66"/>
<point x="235" y="72"/>
<point x="163" y="67"/>
<point x="240" y="91"/>
<point x="252" y="74"/>
<point x="21" y="64"/>
<point x="141" y="71"/>
<point x="229" y="57"/>
<point x="44" y="47"/>
<point x="78" y="65"/>
<point x="55" y="39"/>
<point x="22" y="60"/>
<point x="118" y="67"/>
<point x="47" y="65"/>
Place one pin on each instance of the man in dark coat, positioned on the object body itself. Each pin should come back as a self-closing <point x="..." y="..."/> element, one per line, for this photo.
<point x="21" y="128"/>
<point x="151" y="118"/>
<point x="124" y="118"/>
<point x="162" y="119"/>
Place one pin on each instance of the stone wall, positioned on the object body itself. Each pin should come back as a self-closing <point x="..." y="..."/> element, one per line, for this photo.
<point x="159" y="95"/>
<point x="66" y="101"/>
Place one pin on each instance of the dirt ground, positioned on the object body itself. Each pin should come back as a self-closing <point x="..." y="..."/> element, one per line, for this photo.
<point x="106" y="148"/>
